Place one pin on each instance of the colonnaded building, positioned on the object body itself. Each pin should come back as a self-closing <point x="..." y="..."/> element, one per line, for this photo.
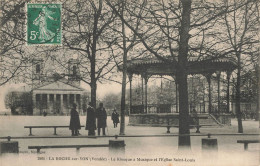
<point x="56" y="94"/>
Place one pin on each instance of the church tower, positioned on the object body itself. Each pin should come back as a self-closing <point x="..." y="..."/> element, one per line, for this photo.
<point x="74" y="72"/>
<point x="37" y="72"/>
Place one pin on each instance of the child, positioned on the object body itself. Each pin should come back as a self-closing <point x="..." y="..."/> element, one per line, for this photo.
<point x="115" y="118"/>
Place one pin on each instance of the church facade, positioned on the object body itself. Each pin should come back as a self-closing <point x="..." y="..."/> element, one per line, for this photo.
<point x="56" y="94"/>
<point x="56" y="97"/>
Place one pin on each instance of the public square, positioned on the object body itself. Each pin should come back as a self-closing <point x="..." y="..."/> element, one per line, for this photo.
<point x="179" y="77"/>
<point x="229" y="151"/>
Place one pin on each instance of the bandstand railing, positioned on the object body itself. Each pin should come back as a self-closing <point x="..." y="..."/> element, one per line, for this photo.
<point x="152" y="108"/>
<point x="171" y="108"/>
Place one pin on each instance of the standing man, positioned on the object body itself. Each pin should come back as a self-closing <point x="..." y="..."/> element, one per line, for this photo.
<point x="91" y="120"/>
<point x="74" y="120"/>
<point x="101" y="119"/>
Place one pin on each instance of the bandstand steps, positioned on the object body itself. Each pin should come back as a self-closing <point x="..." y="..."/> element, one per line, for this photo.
<point x="215" y="120"/>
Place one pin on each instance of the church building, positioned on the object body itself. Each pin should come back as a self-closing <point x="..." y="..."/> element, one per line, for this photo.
<point x="55" y="94"/>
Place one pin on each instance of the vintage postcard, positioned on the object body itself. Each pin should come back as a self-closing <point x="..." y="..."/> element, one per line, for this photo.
<point x="103" y="82"/>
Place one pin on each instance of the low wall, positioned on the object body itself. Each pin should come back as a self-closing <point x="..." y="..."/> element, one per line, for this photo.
<point x="153" y="119"/>
<point x="173" y="118"/>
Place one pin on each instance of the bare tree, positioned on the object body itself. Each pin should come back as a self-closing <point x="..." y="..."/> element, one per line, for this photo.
<point x="13" y="57"/>
<point x="256" y="61"/>
<point x="241" y="31"/>
<point x="176" y="28"/>
<point x="16" y="99"/>
<point x="124" y="43"/>
<point x="182" y="61"/>
<point x="122" y="122"/>
<point x="86" y="32"/>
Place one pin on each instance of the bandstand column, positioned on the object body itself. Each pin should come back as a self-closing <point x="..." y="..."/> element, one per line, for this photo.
<point x="204" y="109"/>
<point x="146" y="77"/>
<point x="192" y="105"/>
<point x="177" y="97"/>
<point x="130" y="76"/>
<point x="218" y="80"/>
<point x="176" y="94"/>
<point x="208" y="76"/>
<point x="146" y="101"/>
<point x="142" y="90"/>
<point x="228" y="83"/>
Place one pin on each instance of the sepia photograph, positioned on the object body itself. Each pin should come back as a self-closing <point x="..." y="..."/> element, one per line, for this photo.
<point x="129" y="82"/>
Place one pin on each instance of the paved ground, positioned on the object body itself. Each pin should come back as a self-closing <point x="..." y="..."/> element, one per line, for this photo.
<point x="142" y="150"/>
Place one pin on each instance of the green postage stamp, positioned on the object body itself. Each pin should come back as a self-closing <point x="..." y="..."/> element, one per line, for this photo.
<point x="43" y="24"/>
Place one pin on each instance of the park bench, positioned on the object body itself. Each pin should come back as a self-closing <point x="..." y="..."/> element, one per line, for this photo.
<point x="246" y="142"/>
<point x="54" y="127"/>
<point x="191" y="126"/>
<point x="198" y="126"/>
<point x="67" y="146"/>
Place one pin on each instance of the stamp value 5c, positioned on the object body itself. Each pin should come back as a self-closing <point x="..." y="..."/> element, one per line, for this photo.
<point x="43" y="24"/>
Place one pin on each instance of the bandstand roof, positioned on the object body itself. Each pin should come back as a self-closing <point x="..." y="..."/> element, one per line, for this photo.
<point x="155" y="66"/>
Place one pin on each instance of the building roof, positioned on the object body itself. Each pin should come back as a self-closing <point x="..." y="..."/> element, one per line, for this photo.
<point x="155" y="66"/>
<point x="58" y="85"/>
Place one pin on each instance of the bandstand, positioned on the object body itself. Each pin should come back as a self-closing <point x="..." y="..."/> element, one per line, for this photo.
<point x="147" y="114"/>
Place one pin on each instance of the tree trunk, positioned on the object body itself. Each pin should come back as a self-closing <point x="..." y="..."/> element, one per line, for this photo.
<point x="93" y="85"/>
<point x="93" y="82"/>
<point x="238" y="111"/>
<point x="122" y="121"/>
<point x="177" y="105"/>
<point x="184" y="141"/>
<point x="258" y="95"/>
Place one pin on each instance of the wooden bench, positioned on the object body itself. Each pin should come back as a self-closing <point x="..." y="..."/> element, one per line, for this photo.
<point x="191" y="126"/>
<point x="246" y="142"/>
<point x="54" y="127"/>
<point x="198" y="126"/>
<point x="67" y="146"/>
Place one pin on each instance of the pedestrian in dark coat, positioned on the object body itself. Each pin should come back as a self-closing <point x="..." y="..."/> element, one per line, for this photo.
<point x="74" y="120"/>
<point x="115" y="118"/>
<point x="101" y="119"/>
<point x="91" y="120"/>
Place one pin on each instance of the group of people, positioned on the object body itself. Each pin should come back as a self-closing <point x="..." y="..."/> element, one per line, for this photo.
<point x="101" y="116"/>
